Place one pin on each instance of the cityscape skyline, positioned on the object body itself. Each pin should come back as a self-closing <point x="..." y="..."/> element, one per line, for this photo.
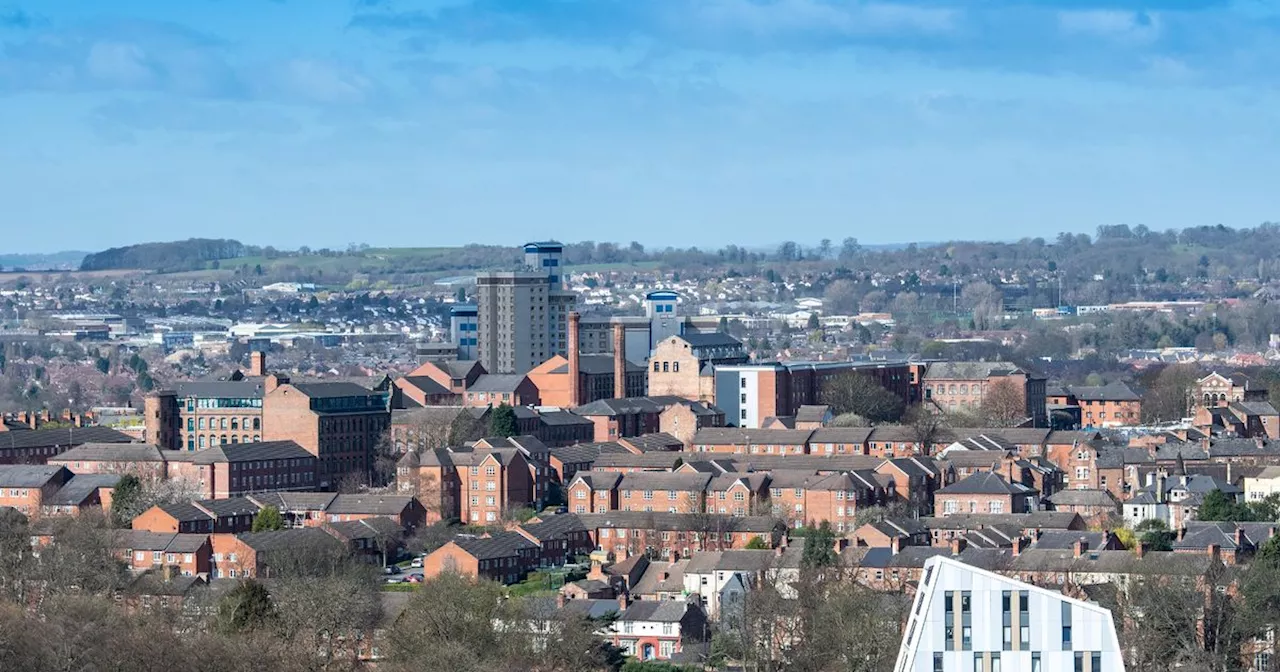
<point x="431" y="123"/>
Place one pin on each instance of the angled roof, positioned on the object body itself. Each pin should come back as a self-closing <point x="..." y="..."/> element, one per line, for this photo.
<point x="664" y="460"/>
<point x="1048" y="520"/>
<point x="554" y="526"/>
<point x="848" y="435"/>
<point x="1116" y="391"/>
<point x="81" y="487"/>
<point x="734" y="436"/>
<point x="111" y="452"/>
<point x="378" y="527"/>
<point x="29" y="475"/>
<point x="1066" y="539"/>
<point x="969" y="370"/>
<point x="1254" y="407"/>
<point x="1084" y="498"/>
<point x="652" y="580"/>
<point x="598" y="480"/>
<point x="985" y="483"/>
<point x="380" y="505"/>
<point x="73" y="436"/>
<point x="245" y="452"/>
<point x="234" y="506"/>
<point x="710" y="340"/>
<point x="678" y="521"/>
<point x="499" y="545"/>
<point x="1199" y="535"/>
<point x="494" y="382"/>
<point x="655" y="611"/>
<point x="1112" y="562"/>
<point x="658" y="442"/>
<point x="426" y="384"/>
<point x="295" y="501"/>
<point x="658" y="480"/>
<point x="812" y="413"/>
<point x="223" y="389"/>
<point x="577" y="453"/>
<point x="289" y="539"/>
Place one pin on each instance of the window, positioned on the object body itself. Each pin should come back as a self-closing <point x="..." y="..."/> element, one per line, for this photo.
<point x="1262" y="661"/>
<point x="1095" y="660"/>
<point x="675" y="367"/>
<point x="966" y="621"/>
<point x="937" y="662"/>
<point x="949" y="506"/>
<point x="996" y="506"/>
<point x="743" y="382"/>
<point x="665" y="367"/>
<point x="1066" y="627"/>
<point x="1035" y="662"/>
<point x="1079" y="662"/>
<point x="995" y="662"/>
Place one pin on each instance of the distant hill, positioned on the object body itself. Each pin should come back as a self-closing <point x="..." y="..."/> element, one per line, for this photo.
<point x="175" y="256"/>
<point x="54" y="261"/>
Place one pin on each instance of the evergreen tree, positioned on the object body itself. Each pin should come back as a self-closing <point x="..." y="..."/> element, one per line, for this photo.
<point x="124" y="500"/>
<point x="819" y="547"/>
<point x="502" y="421"/>
<point x="268" y="520"/>
<point x="245" y="608"/>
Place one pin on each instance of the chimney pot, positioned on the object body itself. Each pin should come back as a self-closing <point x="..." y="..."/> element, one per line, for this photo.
<point x="622" y="601"/>
<point x="560" y="599"/>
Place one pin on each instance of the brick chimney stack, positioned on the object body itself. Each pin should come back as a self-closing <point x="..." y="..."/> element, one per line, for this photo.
<point x="258" y="363"/>
<point x="575" y="396"/>
<point x="958" y="545"/>
<point x="1079" y="548"/>
<point x="619" y="361"/>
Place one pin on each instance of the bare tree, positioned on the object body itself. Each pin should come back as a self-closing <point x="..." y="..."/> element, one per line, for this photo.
<point x="1003" y="404"/>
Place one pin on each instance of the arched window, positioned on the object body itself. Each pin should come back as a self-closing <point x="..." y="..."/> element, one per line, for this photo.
<point x="202" y="440"/>
<point x="235" y="423"/>
<point x="964" y="389"/>
<point x="952" y="390"/>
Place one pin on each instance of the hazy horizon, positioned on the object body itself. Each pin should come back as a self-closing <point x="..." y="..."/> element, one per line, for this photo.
<point x="675" y="122"/>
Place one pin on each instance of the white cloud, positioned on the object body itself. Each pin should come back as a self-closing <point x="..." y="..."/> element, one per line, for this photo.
<point x="119" y="63"/>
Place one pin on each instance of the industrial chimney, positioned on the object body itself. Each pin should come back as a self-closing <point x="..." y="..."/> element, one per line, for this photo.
<point x="574" y="376"/>
<point x="258" y="363"/>
<point x="619" y="361"/>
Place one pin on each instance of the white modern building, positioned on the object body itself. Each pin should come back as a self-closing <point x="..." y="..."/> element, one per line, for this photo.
<point x="966" y="619"/>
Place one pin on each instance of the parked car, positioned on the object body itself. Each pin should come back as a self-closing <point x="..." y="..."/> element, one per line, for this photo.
<point x="391" y="569"/>
<point x="562" y="509"/>
<point x="393" y="579"/>
<point x="416" y="564"/>
<point x="413" y="578"/>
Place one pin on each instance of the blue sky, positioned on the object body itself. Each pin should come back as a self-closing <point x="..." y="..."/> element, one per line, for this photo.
<point x="671" y="122"/>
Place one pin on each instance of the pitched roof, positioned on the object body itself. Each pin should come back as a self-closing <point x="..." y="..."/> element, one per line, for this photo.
<point x="1084" y="498"/>
<point x="677" y="521"/>
<point x="295" y="501"/>
<point x="111" y="452"/>
<point x="1066" y="539"/>
<point x="1112" y="562"/>
<point x="734" y="436"/>
<point x="499" y="545"/>
<point x="659" y="611"/>
<point x="378" y="527"/>
<point x="657" y="480"/>
<point x="1060" y="520"/>
<point x="577" y="453"/>
<point x="598" y="480"/>
<point x="660" y="460"/>
<point x="812" y="413"/>
<point x="332" y="390"/>
<point x="657" y="442"/>
<point x="709" y="340"/>
<point x="426" y="384"/>
<point x="969" y="370"/>
<point x="985" y="483"/>
<point x="29" y="475"/>
<point x="494" y="382"/>
<point x="246" y="452"/>
<point x="638" y="405"/>
<point x="289" y="539"/>
<point x="847" y="435"/>
<point x="73" y="436"/>
<point x="1116" y="391"/>
<point x="80" y="488"/>
<point x="554" y="526"/>
<point x="379" y="505"/>
<point x="222" y="389"/>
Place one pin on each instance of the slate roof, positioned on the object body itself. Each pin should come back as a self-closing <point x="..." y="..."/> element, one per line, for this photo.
<point x="577" y="453"/>
<point x="597" y="365"/>
<point x="651" y="581"/>
<point x="985" y="483"/>
<point x="493" y="382"/>
<point x="380" y="505"/>
<point x="969" y="370"/>
<point x="637" y="405"/>
<point x="656" y="480"/>
<point x="378" y="527"/>
<point x="295" y="501"/>
<point x="80" y="488"/>
<point x="1113" y="458"/>
<point x="1116" y="391"/>
<point x="1166" y="563"/>
<point x="660" y="460"/>
<point x="710" y="340"/>
<point x="28" y="475"/>
<point x="806" y="462"/>
<point x="677" y="521"/>
<point x="1198" y="535"/>
<point x="847" y="435"/>
<point x="427" y="385"/>
<point x="1084" y="498"/>
<point x="246" y="452"/>
<point x="812" y="413"/>
<point x="332" y="390"/>
<point x="657" y="442"/>
<point x="1064" y="540"/>
<point x="733" y="436"/>
<point x="247" y="389"/>
<point x="1254" y="407"/>
<point x="110" y="452"/>
<point x="655" y="611"/>
<point x="554" y="527"/>
<point x="1047" y="520"/>
<point x="980" y="443"/>
<point x="744" y="560"/>
<point x="289" y="539"/>
<point x="1187" y="451"/>
<point x="500" y="545"/>
<point x="75" y="436"/>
